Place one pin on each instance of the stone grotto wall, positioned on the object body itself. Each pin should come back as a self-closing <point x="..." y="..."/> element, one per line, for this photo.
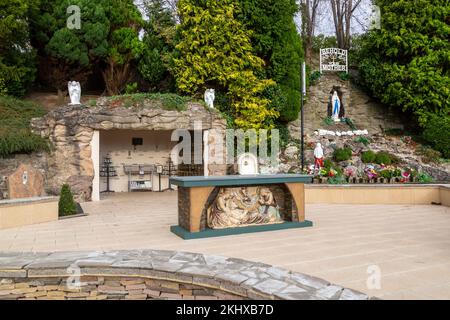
<point x="150" y="274"/>
<point x="359" y="107"/>
<point x="366" y="115"/>
<point x="70" y="130"/>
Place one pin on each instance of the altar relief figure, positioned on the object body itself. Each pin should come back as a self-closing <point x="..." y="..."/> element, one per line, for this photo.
<point x="239" y="207"/>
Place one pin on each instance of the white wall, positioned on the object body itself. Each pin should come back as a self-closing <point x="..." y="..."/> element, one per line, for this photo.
<point x="117" y="143"/>
<point x="95" y="156"/>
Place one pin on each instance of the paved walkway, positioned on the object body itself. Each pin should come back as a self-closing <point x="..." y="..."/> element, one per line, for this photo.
<point x="408" y="245"/>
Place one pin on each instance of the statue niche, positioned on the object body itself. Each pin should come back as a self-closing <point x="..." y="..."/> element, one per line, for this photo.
<point x="336" y="110"/>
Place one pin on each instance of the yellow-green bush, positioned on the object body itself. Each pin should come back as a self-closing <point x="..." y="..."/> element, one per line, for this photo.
<point x="215" y="51"/>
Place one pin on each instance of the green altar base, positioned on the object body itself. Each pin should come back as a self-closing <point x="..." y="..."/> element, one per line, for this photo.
<point x="209" y="233"/>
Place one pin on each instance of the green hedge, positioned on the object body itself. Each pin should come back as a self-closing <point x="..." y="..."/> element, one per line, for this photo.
<point x="437" y="133"/>
<point x="15" y="133"/>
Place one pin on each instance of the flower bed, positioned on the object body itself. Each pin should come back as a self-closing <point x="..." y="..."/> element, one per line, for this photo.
<point x="370" y="174"/>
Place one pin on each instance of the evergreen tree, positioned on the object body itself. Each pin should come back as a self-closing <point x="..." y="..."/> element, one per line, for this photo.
<point x="66" y="204"/>
<point x="107" y="37"/>
<point x="17" y="66"/>
<point x="276" y="40"/>
<point x="406" y="64"/>
<point x="214" y="50"/>
<point x="155" y="63"/>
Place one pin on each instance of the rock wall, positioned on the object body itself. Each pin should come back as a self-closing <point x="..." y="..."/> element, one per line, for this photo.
<point x="150" y="274"/>
<point x="406" y="151"/>
<point x="359" y="107"/>
<point x="9" y="165"/>
<point x="70" y="129"/>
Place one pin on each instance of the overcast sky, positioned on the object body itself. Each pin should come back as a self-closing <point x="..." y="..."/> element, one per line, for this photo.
<point x="325" y="23"/>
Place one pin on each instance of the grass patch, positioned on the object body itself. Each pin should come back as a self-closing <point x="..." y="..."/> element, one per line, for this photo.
<point x="15" y="133"/>
<point x="167" y="101"/>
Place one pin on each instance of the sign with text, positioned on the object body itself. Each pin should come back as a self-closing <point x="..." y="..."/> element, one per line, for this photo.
<point x="333" y="59"/>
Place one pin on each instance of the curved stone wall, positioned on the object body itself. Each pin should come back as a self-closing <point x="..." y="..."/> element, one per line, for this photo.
<point x="150" y="274"/>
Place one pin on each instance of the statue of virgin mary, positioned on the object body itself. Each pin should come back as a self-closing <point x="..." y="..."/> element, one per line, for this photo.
<point x="335" y="108"/>
<point x="336" y="105"/>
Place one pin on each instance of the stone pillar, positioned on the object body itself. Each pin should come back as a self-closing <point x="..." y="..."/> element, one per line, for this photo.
<point x="206" y="153"/>
<point x="95" y="156"/>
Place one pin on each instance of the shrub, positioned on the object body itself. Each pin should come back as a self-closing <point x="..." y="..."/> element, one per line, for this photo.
<point x="15" y="133"/>
<point x="342" y="154"/>
<point x="328" y="121"/>
<point x="364" y="140"/>
<point x="338" y="179"/>
<point x="387" y="173"/>
<point x="167" y="101"/>
<point x="344" y="76"/>
<point x="66" y="205"/>
<point x="327" y="164"/>
<point x="437" y="133"/>
<point x="368" y="156"/>
<point x="424" y="178"/>
<point x="314" y="77"/>
<point x="383" y="158"/>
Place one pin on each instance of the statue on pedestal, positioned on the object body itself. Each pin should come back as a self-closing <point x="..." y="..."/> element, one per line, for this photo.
<point x="318" y="157"/>
<point x="336" y="109"/>
<point x="210" y="96"/>
<point x="74" y="92"/>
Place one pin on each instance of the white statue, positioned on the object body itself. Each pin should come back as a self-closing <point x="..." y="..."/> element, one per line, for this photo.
<point x="209" y="97"/>
<point x="318" y="157"/>
<point x="336" y="105"/>
<point x="74" y="92"/>
<point x="247" y="164"/>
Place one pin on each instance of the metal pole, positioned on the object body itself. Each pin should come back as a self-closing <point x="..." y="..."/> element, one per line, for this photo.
<point x="302" y="134"/>
<point x="302" y="116"/>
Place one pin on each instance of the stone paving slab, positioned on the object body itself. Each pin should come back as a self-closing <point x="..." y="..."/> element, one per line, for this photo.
<point x="408" y="243"/>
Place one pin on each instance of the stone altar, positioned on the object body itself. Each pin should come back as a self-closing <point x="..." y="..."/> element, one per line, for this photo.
<point x="224" y="205"/>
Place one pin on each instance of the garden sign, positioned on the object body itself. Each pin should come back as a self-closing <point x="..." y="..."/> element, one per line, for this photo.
<point x="333" y="59"/>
